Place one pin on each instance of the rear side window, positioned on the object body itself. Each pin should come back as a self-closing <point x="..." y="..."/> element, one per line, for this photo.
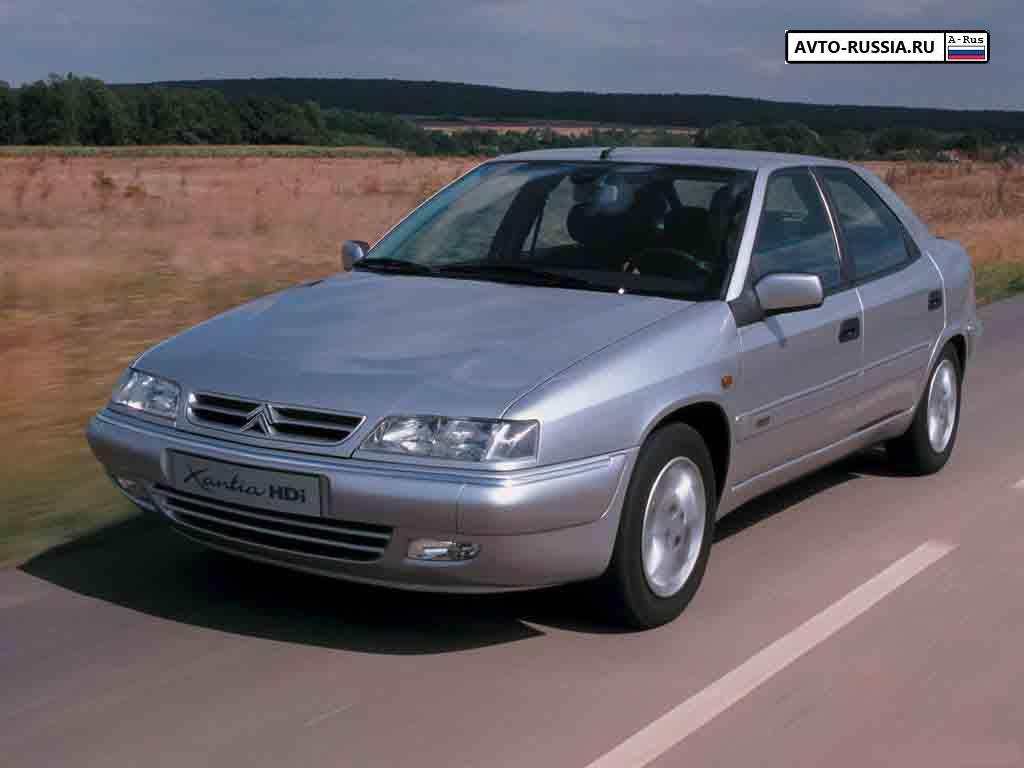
<point x="873" y="235"/>
<point x="794" y="234"/>
<point x="696" y="192"/>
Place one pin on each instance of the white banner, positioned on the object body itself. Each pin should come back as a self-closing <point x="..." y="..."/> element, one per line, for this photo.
<point x="881" y="46"/>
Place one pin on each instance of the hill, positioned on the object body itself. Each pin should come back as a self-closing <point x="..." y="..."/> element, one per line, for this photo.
<point x="444" y="99"/>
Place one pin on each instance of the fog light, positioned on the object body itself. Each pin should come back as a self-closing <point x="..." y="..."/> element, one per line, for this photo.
<point x="135" y="490"/>
<point x="432" y="549"/>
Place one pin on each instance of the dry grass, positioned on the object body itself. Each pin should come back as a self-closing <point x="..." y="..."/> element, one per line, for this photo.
<point x="201" y="151"/>
<point x="100" y="257"/>
<point x="979" y="204"/>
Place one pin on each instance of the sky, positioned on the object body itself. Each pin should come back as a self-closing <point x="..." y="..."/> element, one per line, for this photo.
<point x="732" y="47"/>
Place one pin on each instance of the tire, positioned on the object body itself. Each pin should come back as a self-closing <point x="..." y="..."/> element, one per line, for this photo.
<point x="926" y="446"/>
<point x="673" y="457"/>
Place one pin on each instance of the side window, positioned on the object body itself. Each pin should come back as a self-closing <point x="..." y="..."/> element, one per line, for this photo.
<point x="872" y="233"/>
<point x="794" y="234"/>
<point x="696" y="192"/>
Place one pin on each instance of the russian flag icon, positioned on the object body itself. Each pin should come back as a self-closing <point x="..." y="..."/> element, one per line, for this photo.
<point x="970" y="50"/>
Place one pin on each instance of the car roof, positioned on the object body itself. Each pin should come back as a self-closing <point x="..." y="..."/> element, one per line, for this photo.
<point x="738" y="159"/>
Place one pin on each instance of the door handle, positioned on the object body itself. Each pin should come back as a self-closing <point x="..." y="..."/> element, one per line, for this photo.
<point x="934" y="300"/>
<point x="849" y="329"/>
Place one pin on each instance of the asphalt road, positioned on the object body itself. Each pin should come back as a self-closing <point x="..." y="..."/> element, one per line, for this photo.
<point x="854" y="618"/>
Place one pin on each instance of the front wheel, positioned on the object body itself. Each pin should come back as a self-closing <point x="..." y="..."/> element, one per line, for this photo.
<point x="926" y="446"/>
<point x="665" y="533"/>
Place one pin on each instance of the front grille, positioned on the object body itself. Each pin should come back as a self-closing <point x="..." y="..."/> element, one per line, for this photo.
<point x="319" y="536"/>
<point x="280" y="422"/>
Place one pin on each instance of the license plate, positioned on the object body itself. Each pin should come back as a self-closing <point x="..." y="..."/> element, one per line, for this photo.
<point x="235" y="484"/>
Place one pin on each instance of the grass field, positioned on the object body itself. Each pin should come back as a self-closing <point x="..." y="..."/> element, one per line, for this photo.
<point x="981" y="205"/>
<point x="101" y="257"/>
<point x="103" y="254"/>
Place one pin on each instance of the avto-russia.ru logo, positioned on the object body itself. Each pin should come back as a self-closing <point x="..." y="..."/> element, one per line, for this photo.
<point x="881" y="46"/>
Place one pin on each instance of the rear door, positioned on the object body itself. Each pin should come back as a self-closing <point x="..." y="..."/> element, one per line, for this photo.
<point x="799" y="369"/>
<point x="901" y="292"/>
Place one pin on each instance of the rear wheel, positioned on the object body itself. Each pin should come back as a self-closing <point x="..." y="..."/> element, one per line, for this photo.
<point x="926" y="446"/>
<point x="665" y="532"/>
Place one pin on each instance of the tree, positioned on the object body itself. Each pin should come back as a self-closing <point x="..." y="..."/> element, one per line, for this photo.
<point x="849" y="145"/>
<point x="901" y="138"/>
<point x="253" y="114"/>
<point x="104" y="119"/>
<point x="315" y="119"/>
<point x="46" y="113"/>
<point x="724" y="136"/>
<point x="974" y="141"/>
<point x="791" y="136"/>
<point x="288" y="125"/>
<point x="208" y="117"/>
<point x="9" y="119"/>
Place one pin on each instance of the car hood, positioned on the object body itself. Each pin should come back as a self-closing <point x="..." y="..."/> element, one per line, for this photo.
<point x="387" y="344"/>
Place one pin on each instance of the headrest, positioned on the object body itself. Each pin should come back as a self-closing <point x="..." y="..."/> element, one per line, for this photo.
<point x="687" y="228"/>
<point x="720" y="202"/>
<point x="589" y="228"/>
<point x="607" y="195"/>
<point x="593" y="225"/>
<point x="648" y="207"/>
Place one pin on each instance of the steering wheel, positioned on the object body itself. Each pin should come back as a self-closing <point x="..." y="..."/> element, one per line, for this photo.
<point x="667" y="262"/>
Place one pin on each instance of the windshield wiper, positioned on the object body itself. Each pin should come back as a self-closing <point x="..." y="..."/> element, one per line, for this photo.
<point x="516" y="273"/>
<point x="394" y="266"/>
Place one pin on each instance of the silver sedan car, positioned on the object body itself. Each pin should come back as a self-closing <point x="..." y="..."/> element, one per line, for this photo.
<point x="565" y="366"/>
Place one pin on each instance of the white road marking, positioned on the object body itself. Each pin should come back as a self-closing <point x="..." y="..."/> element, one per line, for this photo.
<point x="320" y="718"/>
<point x="1020" y="486"/>
<point x="675" y="725"/>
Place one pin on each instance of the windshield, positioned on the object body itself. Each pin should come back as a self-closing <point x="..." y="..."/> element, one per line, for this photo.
<point x="629" y="228"/>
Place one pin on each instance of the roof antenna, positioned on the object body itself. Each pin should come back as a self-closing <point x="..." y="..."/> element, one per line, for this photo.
<point x="606" y="153"/>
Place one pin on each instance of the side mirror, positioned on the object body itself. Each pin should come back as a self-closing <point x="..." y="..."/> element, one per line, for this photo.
<point x="351" y="252"/>
<point x="788" y="292"/>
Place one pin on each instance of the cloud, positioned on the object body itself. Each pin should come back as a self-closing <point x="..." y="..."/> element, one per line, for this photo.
<point x="704" y="46"/>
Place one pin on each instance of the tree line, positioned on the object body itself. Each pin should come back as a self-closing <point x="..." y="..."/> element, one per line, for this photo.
<point x="444" y="99"/>
<point x="905" y="142"/>
<point x="70" y="110"/>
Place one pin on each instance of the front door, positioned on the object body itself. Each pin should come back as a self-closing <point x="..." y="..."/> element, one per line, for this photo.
<point x="799" y="371"/>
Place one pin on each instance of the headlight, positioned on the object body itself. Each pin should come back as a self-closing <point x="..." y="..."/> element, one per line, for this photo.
<point x="437" y="437"/>
<point x="149" y="394"/>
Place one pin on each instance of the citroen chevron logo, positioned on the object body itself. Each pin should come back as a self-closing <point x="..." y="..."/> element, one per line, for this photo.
<point x="261" y="420"/>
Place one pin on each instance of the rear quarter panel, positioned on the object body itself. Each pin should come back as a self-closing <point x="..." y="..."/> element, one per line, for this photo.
<point x="958" y="276"/>
<point x="961" y="316"/>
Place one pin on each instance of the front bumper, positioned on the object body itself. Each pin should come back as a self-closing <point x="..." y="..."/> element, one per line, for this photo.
<point x="535" y="527"/>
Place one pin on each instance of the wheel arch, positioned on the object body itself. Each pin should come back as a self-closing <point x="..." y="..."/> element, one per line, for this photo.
<point x="711" y="422"/>
<point x="959" y="343"/>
